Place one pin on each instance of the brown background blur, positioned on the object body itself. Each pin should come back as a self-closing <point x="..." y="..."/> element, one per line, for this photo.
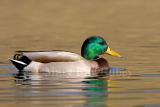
<point x="64" y="24"/>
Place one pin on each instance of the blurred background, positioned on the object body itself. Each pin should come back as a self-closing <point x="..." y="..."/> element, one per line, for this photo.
<point x="130" y="27"/>
<point x="65" y="24"/>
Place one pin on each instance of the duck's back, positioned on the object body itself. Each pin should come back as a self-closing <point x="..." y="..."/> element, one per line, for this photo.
<point x="51" y="56"/>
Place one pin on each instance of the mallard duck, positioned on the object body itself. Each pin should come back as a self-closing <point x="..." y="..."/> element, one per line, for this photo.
<point x="63" y="61"/>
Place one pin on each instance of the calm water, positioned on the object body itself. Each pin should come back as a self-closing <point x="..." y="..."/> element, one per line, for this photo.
<point x="130" y="27"/>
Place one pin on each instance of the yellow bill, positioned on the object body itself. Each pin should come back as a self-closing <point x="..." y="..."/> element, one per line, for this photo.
<point x="110" y="52"/>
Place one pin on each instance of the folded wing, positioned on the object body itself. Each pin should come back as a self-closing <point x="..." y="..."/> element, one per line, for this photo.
<point x="50" y="56"/>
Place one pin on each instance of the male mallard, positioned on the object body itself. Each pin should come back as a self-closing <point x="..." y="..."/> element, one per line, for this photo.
<point x="63" y="61"/>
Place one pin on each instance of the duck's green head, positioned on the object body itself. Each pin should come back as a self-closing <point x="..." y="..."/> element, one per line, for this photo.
<point x="95" y="46"/>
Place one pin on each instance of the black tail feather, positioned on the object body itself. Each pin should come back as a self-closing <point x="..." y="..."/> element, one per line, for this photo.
<point x="20" y="61"/>
<point x="18" y="64"/>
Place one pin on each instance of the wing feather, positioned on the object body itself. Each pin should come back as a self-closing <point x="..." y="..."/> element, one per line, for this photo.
<point x="51" y="56"/>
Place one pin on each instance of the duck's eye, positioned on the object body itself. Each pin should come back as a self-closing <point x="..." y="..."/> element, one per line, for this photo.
<point x="101" y="43"/>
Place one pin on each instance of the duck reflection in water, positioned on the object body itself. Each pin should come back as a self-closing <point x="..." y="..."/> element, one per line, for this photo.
<point x="92" y="87"/>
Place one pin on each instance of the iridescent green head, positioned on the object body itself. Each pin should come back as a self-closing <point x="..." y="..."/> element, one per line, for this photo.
<point x="95" y="46"/>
